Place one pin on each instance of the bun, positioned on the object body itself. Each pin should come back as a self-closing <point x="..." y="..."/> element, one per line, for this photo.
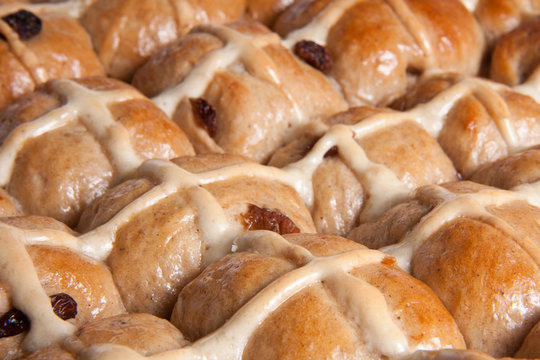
<point x="82" y="136"/>
<point x="477" y="248"/>
<point x="39" y="271"/>
<point x="58" y="48"/>
<point x="282" y="301"/>
<point x="201" y="215"/>
<point x="126" y="33"/>
<point x="253" y="92"/>
<point x="379" y="49"/>
<point x="188" y="211"/>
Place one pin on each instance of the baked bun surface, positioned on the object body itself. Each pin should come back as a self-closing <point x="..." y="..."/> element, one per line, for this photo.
<point x="52" y="46"/>
<point x="237" y="89"/>
<point x="312" y="293"/>
<point x="477" y="247"/>
<point x="177" y="179"/>
<point x="66" y="143"/>
<point x="379" y="48"/>
<point x="179" y="216"/>
<point x="125" y="33"/>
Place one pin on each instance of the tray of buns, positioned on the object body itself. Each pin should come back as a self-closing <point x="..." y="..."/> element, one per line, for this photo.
<point x="269" y="179"/>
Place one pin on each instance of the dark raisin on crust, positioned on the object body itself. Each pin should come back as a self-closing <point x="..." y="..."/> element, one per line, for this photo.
<point x="313" y="54"/>
<point x="15" y="322"/>
<point x="258" y="218"/>
<point x="333" y="151"/>
<point x="25" y="23"/>
<point x="64" y="306"/>
<point x="206" y="115"/>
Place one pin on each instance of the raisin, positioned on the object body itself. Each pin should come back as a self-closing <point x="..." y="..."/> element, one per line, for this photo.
<point x="64" y="306"/>
<point x="206" y="115"/>
<point x="313" y="54"/>
<point x="25" y="23"/>
<point x="265" y="219"/>
<point x="13" y="322"/>
<point x="333" y="151"/>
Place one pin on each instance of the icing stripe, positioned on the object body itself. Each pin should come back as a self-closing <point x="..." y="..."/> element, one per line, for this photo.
<point x="90" y="107"/>
<point x="72" y="8"/>
<point x="230" y="340"/>
<point x="317" y="30"/>
<point x="27" y="295"/>
<point x="453" y="207"/>
<point x="24" y="54"/>
<point x="237" y="46"/>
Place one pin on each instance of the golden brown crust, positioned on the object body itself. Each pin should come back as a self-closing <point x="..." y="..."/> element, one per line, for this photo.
<point x="173" y="62"/>
<point x="298" y="15"/>
<point x="510" y="171"/>
<point x="391" y="227"/>
<point x="498" y="17"/>
<point x="265" y="11"/>
<point x="255" y="112"/>
<point x="514" y="56"/>
<point x="425" y="90"/>
<point x="35" y="164"/>
<point x="74" y="159"/>
<point x="111" y="202"/>
<point x="144" y="333"/>
<point x="530" y="349"/>
<point x="481" y="263"/>
<point x="313" y="322"/>
<point x="205" y="303"/>
<point x="375" y="64"/>
<point x="49" y="353"/>
<point x="8" y="205"/>
<point x="450" y="354"/>
<point x="127" y="32"/>
<point x="301" y="327"/>
<point x="96" y="295"/>
<point x="62" y="48"/>
<point x="475" y="287"/>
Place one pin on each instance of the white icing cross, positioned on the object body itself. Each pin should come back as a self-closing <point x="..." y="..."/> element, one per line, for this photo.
<point x="237" y="46"/>
<point x="24" y="54"/>
<point x="318" y="28"/>
<point x="91" y="108"/>
<point x="468" y="205"/>
<point x="367" y="305"/>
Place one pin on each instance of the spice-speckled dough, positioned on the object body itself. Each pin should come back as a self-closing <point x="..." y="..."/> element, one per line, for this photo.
<point x="530" y="349"/>
<point x="126" y="33"/>
<point x="143" y="333"/>
<point x="59" y="172"/>
<point x="379" y="48"/>
<point x="340" y="192"/>
<point x="62" y="49"/>
<point x="315" y="322"/>
<point x="480" y="256"/>
<point x="259" y="99"/>
<point x="480" y="126"/>
<point x="161" y="246"/>
<point x="87" y="281"/>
